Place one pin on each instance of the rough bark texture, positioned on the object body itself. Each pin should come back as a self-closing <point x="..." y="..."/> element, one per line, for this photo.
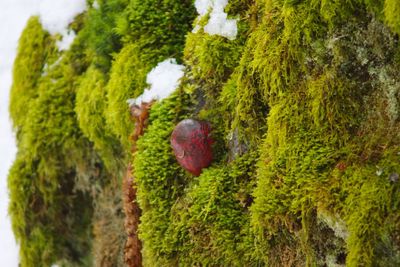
<point x="133" y="246"/>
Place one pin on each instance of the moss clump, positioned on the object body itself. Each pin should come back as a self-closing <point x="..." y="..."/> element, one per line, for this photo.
<point x="98" y="34"/>
<point x="90" y="110"/>
<point x="159" y="179"/>
<point x="213" y="217"/>
<point x="319" y="76"/>
<point x="54" y="172"/>
<point x="34" y="49"/>
<point x="32" y="247"/>
<point x="305" y="110"/>
<point x="158" y="27"/>
<point x="151" y="34"/>
<point x="196" y="222"/>
<point x="212" y="61"/>
<point x="127" y="80"/>
<point x="392" y="8"/>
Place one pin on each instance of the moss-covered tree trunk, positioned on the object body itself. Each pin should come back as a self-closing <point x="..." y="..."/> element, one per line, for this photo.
<point x="304" y="106"/>
<point x="309" y="90"/>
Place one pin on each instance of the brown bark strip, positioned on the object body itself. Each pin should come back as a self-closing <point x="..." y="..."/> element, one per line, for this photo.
<point x="133" y="246"/>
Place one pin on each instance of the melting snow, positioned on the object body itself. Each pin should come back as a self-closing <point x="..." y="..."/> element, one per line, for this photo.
<point x="67" y="39"/>
<point x="202" y="6"/>
<point x="56" y="15"/>
<point x="163" y="80"/>
<point x="218" y="22"/>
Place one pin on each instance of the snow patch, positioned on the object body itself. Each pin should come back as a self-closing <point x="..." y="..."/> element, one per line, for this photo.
<point x="218" y="23"/>
<point x="202" y="6"/>
<point x="96" y="4"/>
<point x="67" y="39"/>
<point x="163" y="80"/>
<point x="56" y="15"/>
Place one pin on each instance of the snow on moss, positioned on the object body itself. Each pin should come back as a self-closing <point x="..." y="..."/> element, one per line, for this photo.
<point x="218" y="23"/>
<point x="57" y="15"/>
<point x="96" y="5"/>
<point x="66" y="41"/>
<point x="163" y="80"/>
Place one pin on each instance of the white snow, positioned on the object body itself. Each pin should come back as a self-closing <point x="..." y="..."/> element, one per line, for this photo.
<point x="67" y="39"/>
<point x="56" y="15"/>
<point x="203" y="6"/>
<point x="163" y="80"/>
<point x="218" y="23"/>
<point x="96" y="5"/>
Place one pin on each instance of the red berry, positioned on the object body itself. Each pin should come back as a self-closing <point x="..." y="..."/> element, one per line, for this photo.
<point x="191" y="142"/>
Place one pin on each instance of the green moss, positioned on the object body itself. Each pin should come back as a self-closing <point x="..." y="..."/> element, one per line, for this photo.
<point x="391" y="10"/>
<point x="215" y="217"/>
<point x="99" y="35"/>
<point x="320" y="91"/>
<point x="151" y="35"/>
<point x="212" y="58"/>
<point x="90" y="110"/>
<point x="127" y="80"/>
<point x="34" y="47"/>
<point x="304" y="107"/>
<point x="20" y="180"/>
<point x="159" y="178"/>
<point x="199" y="225"/>
<point x="212" y="61"/>
<point x="55" y="173"/>
<point x="158" y="27"/>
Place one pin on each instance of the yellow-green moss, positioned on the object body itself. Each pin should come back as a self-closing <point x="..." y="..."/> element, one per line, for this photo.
<point x="99" y="36"/>
<point x="34" y="47"/>
<point x="305" y="110"/>
<point x="213" y="217"/>
<point x="319" y="75"/>
<point x="127" y="80"/>
<point x="90" y="109"/>
<point x="55" y="171"/>
<point x="201" y="221"/>
<point x="159" y="179"/>
<point x="391" y="11"/>
<point x="159" y="27"/>
<point x="152" y="32"/>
